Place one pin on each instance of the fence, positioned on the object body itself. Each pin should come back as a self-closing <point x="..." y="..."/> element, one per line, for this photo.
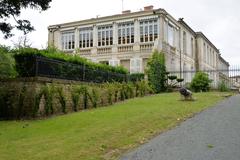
<point x="230" y="77"/>
<point x="31" y="66"/>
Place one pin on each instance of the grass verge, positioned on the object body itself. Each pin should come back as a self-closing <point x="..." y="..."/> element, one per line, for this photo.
<point x="103" y="133"/>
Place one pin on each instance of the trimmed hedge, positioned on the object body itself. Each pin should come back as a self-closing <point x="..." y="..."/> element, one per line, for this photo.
<point x="71" y="58"/>
<point x="32" y="62"/>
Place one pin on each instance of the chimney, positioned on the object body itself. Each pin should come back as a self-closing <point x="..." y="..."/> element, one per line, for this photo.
<point x="126" y="11"/>
<point x="148" y="8"/>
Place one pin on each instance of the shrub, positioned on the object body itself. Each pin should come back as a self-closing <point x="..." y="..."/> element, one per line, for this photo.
<point x="48" y="93"/>
<point x="61" y="98"/>
<point x="222" y="86"/>
<point x="7" y="63"/>
<point x="156" y="71"/>
<point x="142" y="88"/>
<point x="110" y="92"/>
<point x="200" y="82"/>
<point x="94" y="97"/>
<point x="75" y="98"/>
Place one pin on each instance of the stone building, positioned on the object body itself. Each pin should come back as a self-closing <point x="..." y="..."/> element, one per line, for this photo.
<point x="129" y="38"/>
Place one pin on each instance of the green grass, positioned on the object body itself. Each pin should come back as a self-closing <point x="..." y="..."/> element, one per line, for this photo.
<point x="102" y="133"/>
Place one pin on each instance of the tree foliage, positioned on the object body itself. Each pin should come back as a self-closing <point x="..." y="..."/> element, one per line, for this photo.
<point x="12" y="9"/>
<point x="156" y="71"/>
<point x="200" y="82"/>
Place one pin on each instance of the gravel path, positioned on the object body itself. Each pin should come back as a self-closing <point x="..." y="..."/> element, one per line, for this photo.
<point x="214" y="134"/>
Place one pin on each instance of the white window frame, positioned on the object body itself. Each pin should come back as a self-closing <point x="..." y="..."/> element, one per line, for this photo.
<point x="68" y="40"/>
<point x="105" y="35"/>
<point x="149" y="30"/>
<point x="126" y="33"/>
<point x="86" y="37"/>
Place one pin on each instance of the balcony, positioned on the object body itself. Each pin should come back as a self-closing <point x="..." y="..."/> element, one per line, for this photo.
<point x="104" y="50"/>
<point x="125" y="49"/>
<point x="146" y="47"/>
<point x="85" y="51"/>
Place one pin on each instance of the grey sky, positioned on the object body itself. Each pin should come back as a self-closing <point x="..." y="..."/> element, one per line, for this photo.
<point x="219" y="20"/>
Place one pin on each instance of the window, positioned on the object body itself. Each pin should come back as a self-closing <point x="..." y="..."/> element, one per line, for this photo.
<point x="126" y="33"/>
<point x="184" y="43"/>
<point x="136" y="65"/>
<point x="105" y="36"/>
<point x="205" y="52"/>
<point x="68" y="40"/>
<point x="148" y="30"/>
<point x="192" y="48"/>
<point x="114" y="62"/>
<point x="86" y="37"/>
<point x="170" y="35"/>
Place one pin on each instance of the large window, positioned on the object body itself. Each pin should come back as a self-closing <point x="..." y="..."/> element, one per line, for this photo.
<point x="105" y="36"/>
<point x="148" y="30"/>
<point x="184" y="43"/>
<point x="86" y="37"/>
<point x="192" y="48"/>
<point x="126" y="33"/>
<point x="170" y="35"/>
<point x="68" y="40"/>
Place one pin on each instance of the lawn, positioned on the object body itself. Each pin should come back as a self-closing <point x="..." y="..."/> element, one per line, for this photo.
<point x="103" y="133"/>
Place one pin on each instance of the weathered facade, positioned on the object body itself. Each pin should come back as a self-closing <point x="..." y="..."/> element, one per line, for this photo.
<point x="128" y="39"/>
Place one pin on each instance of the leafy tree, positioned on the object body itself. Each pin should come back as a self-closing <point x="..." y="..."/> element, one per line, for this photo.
<point x="200" y="82"/>
<point x="12" y="8"/>
<point x="156" y="71"/>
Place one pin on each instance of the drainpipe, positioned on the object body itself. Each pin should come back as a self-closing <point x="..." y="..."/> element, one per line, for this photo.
<point x="180" y="49"/>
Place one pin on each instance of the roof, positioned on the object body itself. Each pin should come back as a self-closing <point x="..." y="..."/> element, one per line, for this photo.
<point x="223" y="60"/>
<point x="182" y="22"/>
<point x="206" y="39"/>
<point x="109" y="18"/>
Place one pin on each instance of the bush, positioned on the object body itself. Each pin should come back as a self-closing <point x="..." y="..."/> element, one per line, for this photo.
<point x="156" y="71"/>
<point x="7" y="63"/>
<point x="135" y="77"/>
<point x="222" y="86"/>
<point x="200" y="82"/>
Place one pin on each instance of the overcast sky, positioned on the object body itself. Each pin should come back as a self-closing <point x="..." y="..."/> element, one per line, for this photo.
<point x="219" y="20"/>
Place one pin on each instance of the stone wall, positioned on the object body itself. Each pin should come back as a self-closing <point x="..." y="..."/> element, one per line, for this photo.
<point x="28" y="98"/>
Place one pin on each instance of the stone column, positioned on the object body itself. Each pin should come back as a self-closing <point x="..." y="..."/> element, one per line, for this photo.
<point x="115" y="37"/>
<point x="76" y="38"/>
<point x="95" y="36"/>
<point x="95" y="40"/>
<point x="136" y="46"/>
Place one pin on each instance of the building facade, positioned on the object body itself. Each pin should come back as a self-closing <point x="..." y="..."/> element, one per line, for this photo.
<point x="128" y="39"/>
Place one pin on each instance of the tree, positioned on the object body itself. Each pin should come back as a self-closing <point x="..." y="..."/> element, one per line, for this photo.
<point x="23" y="42"/>
<point x="200" y="82"/>
<point x="12" y="8"/>
<point x="156" y="71"/>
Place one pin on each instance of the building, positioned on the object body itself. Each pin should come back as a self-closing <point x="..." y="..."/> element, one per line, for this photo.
<point x="129" y="38"/>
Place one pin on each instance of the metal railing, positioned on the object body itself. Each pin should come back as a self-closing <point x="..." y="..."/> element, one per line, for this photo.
<point x="32" y="66"/>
